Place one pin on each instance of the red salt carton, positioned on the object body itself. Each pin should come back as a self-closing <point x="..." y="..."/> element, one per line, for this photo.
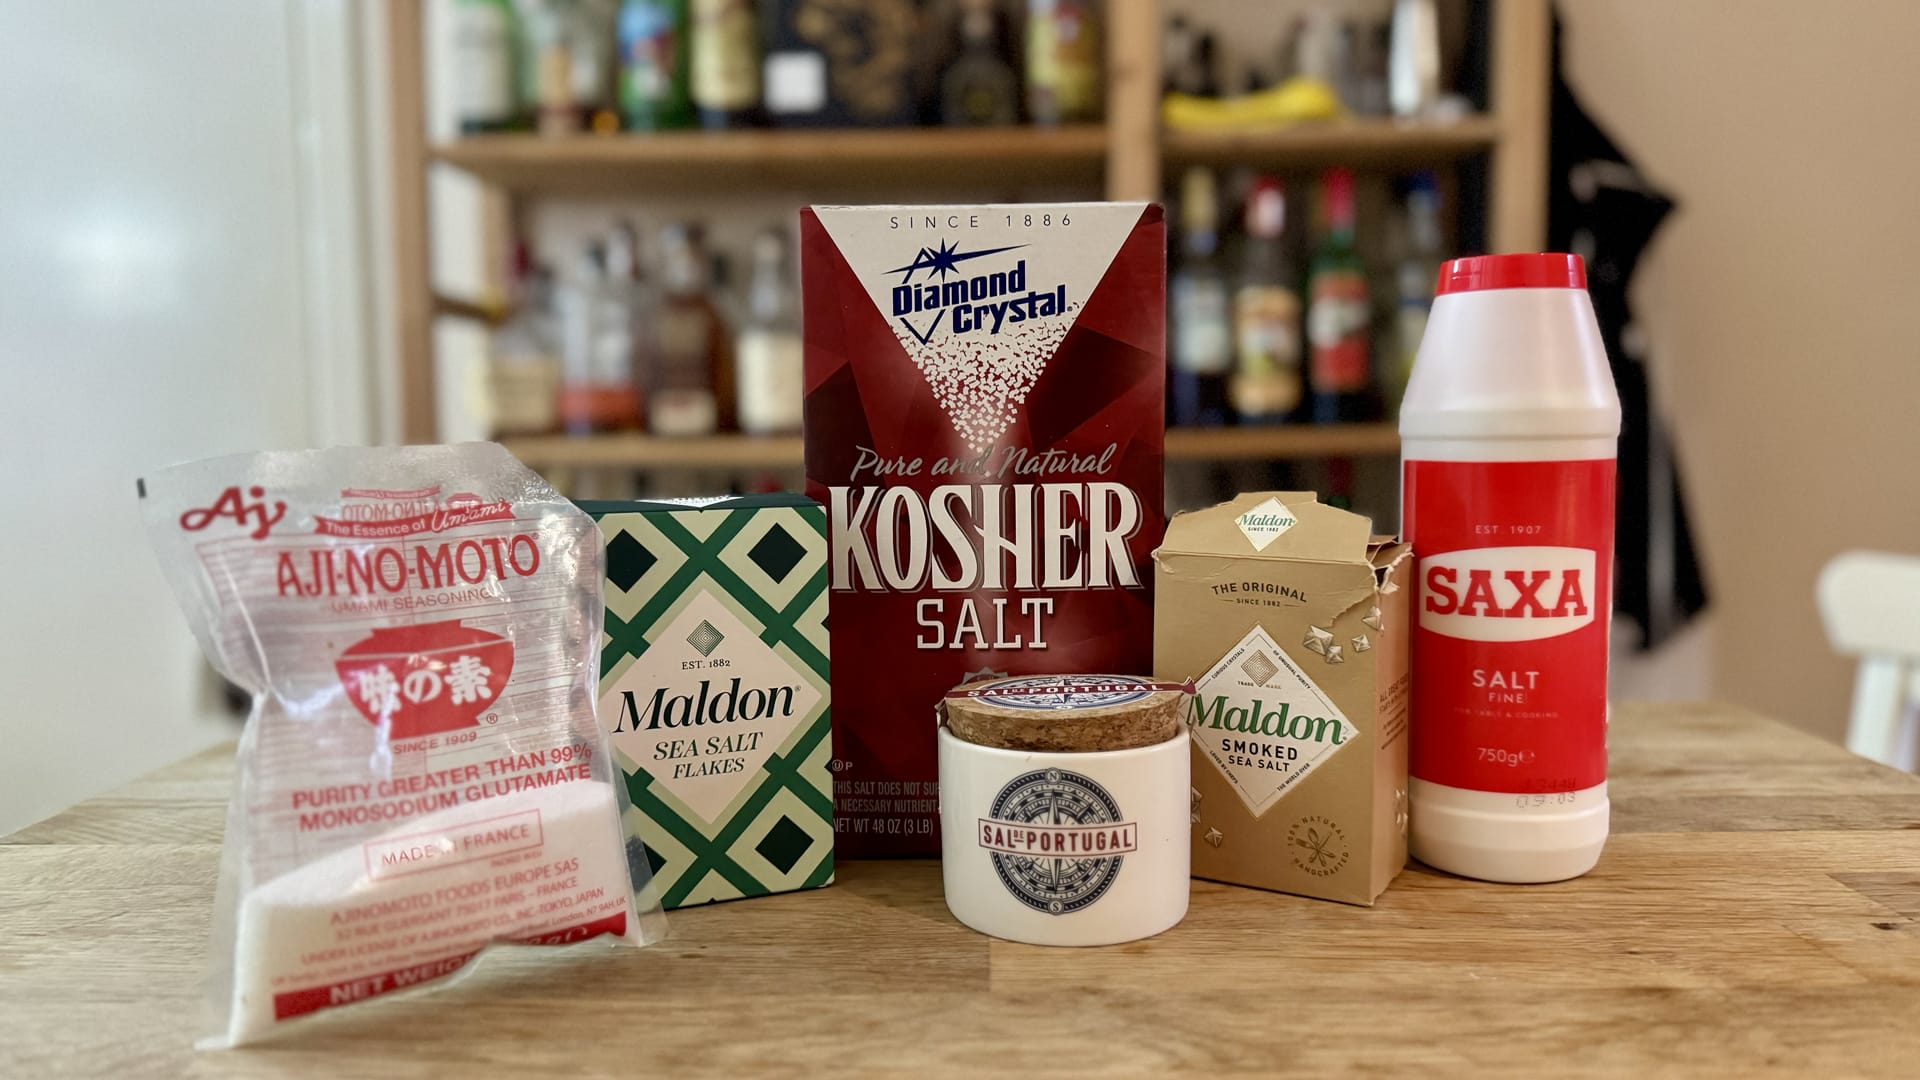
<point x="985" y="392"/>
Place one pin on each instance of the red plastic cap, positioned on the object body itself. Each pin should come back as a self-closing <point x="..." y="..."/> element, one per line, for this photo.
<point x="1545" y="270"/>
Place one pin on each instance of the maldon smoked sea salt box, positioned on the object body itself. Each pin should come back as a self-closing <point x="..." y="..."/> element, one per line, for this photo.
<point x="1292" y="622"/>
<point x="714" y="690"/>
<point x="984" y="417"/>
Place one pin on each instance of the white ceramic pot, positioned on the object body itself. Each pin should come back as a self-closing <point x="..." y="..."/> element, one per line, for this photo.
<point x="1065" y="848"/>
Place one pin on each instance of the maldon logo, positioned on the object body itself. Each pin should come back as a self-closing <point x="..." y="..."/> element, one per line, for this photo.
<point x="1263" y="524"/>
<point x="1255" y="718"/>
<point x="1263" y="722"/>
<point x="1507" y="594"/>
<point x="704" y="705"/>
<point x="987" y="302"/>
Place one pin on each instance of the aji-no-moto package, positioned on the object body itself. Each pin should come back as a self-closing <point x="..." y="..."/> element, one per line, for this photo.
<point x="421" y="775"/>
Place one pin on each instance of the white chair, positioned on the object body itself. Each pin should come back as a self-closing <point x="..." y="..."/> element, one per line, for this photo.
<point x="1870" y="602"/>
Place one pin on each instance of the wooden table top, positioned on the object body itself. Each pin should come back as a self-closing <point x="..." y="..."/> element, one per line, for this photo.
<point x="1757" y="912"/>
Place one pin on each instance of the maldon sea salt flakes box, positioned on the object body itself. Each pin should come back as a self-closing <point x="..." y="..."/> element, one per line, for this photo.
<point x="1291" y="620"/>
<point x="714" y="690"/>
<point x="984" y="416"/>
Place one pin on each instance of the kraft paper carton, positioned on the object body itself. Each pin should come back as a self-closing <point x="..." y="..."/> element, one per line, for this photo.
<point x="1292" y="621"/>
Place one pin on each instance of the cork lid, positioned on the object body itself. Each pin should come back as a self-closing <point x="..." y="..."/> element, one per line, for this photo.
<point x="1065" y="713"/>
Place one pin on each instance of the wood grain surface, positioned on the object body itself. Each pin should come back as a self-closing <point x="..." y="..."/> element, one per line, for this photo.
<point x="1754" y="915"/>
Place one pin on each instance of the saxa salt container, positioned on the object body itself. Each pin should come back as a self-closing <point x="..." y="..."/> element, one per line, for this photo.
<point x="1508" y="434"/>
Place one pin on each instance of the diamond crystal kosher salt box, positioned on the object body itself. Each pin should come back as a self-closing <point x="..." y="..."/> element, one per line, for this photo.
<point x="984" y="424"/>
<point x="714" y="690"/>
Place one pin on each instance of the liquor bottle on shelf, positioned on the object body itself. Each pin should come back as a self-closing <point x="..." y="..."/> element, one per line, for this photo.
<point x="723" y="290"/>
<point x="768" y="350"/>
<point x="1187" y="60"/>
<point x="692" y="391"/>
<point x="1413" y="59"/>
<point x="483" y="46"/>
<point x="1414" y="279"/>
<point x="1206" y="65"/>
<point x="572" y="55"/>
<point x="597" y="388"/>
<point x="1202" y="351"/>
<point x="1322" y="49"/>
<point x="549" y="67"/>
<point x="1339" y="312"/>
<point x="1063" y="62"/>
<point x="839" y="62"/>
<point x="524" y="356"/>
<point x="1268" y="385"/>
<point x="596" y="58"/>
<point x="980" y="87"/>
<point x="1367" y="73"/>
<point x="653" y="91"/>
<point x="725" y="70"/>
<point x="641" y="298"/>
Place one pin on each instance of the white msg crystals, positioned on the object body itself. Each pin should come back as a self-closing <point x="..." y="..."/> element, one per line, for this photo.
<point x="417" y="922"/>
<point x="421" y="775"/>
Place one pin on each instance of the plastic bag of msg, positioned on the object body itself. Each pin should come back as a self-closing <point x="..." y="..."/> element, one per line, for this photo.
<point x="422" y="775"/>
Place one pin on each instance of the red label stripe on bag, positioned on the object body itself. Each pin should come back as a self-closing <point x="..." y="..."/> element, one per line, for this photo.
<point x="300" y="1002"/>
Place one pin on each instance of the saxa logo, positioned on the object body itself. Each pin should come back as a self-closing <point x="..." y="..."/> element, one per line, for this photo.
<point x="1508" y="593"/>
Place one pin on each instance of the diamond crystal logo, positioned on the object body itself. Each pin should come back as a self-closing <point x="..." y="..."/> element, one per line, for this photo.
<point x="1263" y="722"/>
<point x="980" y="301"/>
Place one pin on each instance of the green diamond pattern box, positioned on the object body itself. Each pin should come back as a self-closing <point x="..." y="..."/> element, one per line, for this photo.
<point x="714" y="690"/>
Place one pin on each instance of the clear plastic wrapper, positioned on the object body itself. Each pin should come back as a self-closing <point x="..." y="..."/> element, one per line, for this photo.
<point x="422" y="775"/>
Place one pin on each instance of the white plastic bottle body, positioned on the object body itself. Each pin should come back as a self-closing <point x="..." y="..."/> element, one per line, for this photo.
<point x="1509" y="434"/>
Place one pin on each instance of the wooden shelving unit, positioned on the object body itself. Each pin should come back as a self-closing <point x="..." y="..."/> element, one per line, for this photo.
<point x="636" y="451"/>
<point x="746" y="160"/>
<point x="1366" y="142"/>
<point x="1124" y="157"/>
<point x="887" y="159"/>
<point x="782" y="452"/>
<point x="1281" y="443"/>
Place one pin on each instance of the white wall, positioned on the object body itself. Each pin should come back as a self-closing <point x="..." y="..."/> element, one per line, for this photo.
<point x="180" y="241"/>
<point x="1779" y="299"/>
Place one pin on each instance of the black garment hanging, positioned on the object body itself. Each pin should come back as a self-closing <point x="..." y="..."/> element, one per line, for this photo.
<point x="1601" y="207"/>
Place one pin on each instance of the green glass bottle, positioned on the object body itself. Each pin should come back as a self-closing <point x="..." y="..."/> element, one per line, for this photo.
<point x="653" y="38"/>
<point x="483" y="55"/>
<point x="1339" y="313"/>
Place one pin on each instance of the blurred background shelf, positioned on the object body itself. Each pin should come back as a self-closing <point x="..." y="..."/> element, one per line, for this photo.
<point x="889" y="157"/>
<point x="867" y="159"/>
<point x="635" y="451"/>
<point x="505" y="239"/>
<point x="1282" y="443"/>
<point x="1354" y="141"/>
